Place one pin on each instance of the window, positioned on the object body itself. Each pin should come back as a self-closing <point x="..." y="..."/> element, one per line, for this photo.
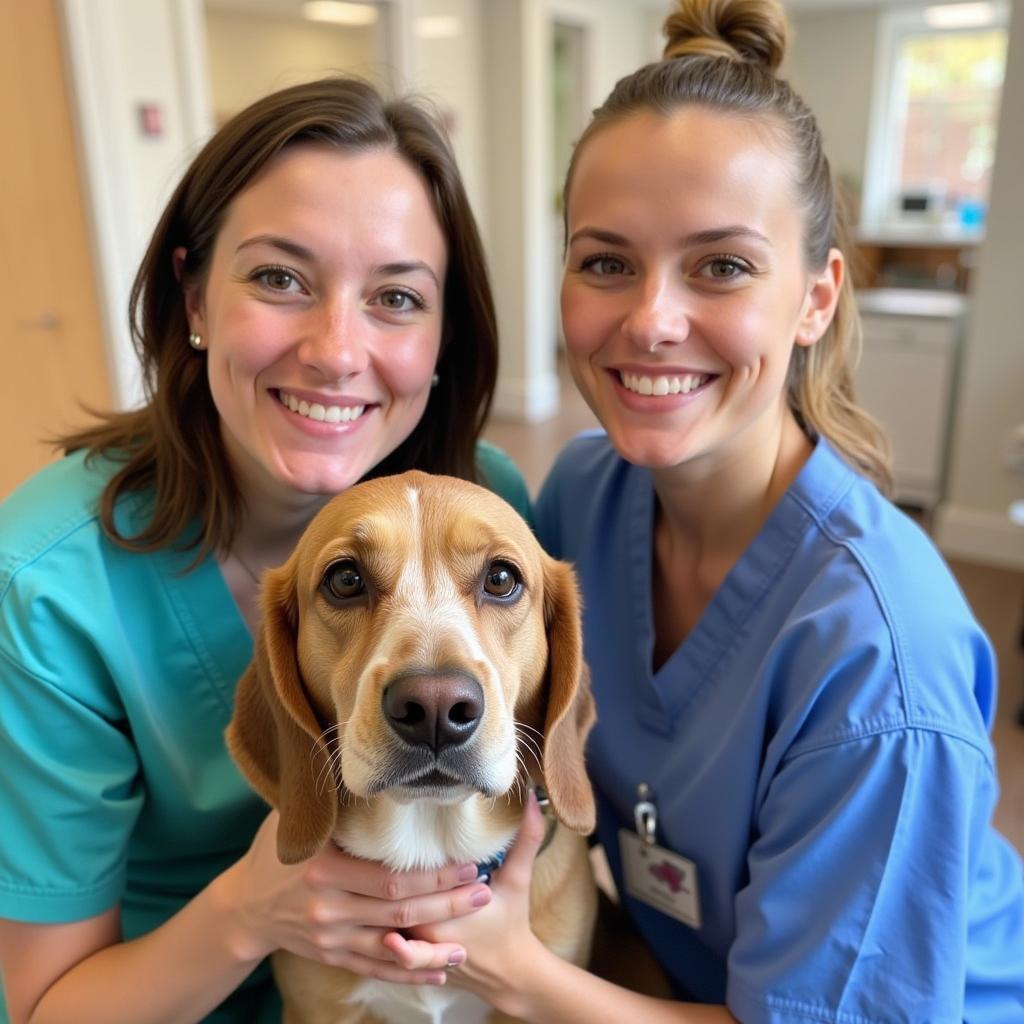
<point x="938" y="81"/>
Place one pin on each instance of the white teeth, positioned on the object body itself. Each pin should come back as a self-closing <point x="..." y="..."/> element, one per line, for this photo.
<point x="321" y="413"/>
<point x="642" y="385"/>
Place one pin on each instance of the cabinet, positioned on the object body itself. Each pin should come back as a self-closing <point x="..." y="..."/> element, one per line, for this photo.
<point x="906" y="380"/>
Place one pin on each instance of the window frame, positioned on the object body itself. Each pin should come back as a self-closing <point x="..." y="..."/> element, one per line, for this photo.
<point x="878" y="211"/>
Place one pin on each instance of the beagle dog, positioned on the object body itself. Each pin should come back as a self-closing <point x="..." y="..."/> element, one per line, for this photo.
<point x="418" y="666"/>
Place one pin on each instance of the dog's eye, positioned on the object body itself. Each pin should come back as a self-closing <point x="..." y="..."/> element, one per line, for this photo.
<point x="344" y="581"/>
<point x="501" y="580"/>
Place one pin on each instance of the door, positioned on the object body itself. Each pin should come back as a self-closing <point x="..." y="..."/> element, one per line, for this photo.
<point x="52" y="356"/>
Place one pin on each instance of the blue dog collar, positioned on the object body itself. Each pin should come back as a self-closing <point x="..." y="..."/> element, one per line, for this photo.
<point x="485" y="870"/>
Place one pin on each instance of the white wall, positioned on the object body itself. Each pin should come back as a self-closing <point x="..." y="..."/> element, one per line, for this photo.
<point x="254" y="54"/>
<point x="973" y="522"/>
<point x="831" y="64"/>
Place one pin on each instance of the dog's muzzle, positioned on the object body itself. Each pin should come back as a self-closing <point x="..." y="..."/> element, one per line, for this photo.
<point x="434" y="711"/>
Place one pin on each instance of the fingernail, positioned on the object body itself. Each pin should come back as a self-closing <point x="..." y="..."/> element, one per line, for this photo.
<point x="481" y="898"/>
<point x="437" y="979"/>
<point x="468" y="873"/>
<point x="455" y="958"/>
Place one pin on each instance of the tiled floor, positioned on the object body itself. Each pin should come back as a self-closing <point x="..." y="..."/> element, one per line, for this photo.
<point x="996" y="595"/>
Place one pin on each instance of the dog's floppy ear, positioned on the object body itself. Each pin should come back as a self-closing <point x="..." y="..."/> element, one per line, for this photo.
<point x="274" y="733"/>
<point x="570" y="708"/>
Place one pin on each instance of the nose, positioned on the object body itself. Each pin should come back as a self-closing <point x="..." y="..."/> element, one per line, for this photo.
<point x="658" y="316"/>
<point x="435" y="711"/>
<point x="335" y="341"/>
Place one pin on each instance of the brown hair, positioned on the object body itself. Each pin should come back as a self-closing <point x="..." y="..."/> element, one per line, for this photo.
<point x="172" y="445"/>
<point x="723" y="55"/>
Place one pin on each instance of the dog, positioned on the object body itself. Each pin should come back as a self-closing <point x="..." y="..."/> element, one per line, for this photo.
<point x="418" y="666"/>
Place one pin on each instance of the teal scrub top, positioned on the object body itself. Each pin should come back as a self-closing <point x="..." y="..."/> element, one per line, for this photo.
<point x="117" y="674"/>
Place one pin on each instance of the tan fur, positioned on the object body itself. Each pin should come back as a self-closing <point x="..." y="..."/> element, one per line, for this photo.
<point x="310" y="735"/>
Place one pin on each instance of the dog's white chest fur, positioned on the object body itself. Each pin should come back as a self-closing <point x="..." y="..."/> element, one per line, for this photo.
<point x="419" y="1004"/>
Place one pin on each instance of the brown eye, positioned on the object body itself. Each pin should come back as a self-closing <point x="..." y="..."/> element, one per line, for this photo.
<point x="344" y="581"/>
<point x="501" y="580"/>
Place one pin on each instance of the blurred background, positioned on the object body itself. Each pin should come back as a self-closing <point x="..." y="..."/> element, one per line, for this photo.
<point x="103" y="103"/>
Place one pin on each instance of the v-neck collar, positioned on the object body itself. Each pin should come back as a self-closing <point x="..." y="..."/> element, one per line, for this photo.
<point x="209" y="618"/>
<point x="704" y="652"/>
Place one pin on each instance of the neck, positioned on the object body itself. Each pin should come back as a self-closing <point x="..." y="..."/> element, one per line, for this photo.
<point x="275" y="516"/>
<point x="714" y="507"/>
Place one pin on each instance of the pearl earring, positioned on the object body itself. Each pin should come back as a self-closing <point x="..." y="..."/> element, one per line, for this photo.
<point x="435" y="380"/>
<point x="196" y="341"/>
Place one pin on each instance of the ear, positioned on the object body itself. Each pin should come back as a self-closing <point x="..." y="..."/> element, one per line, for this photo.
<point x="820" y="302"/>
<point x="274" y="735"/>
<point x="570" y="708"/>
<point x="191" y="290"/>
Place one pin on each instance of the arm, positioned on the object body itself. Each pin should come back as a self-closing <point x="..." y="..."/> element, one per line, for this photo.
<point x="511" y="969"/>
<point x="334" y="908"/>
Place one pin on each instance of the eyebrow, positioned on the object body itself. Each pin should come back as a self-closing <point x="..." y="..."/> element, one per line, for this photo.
<point x="302" y="253"/>
<point x="697" y="238"/>
<point x="406" y="267"/>
<point x="277" y="242"/>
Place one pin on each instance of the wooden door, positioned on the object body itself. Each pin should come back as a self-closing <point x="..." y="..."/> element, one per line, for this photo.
<point x="52" y="356"/>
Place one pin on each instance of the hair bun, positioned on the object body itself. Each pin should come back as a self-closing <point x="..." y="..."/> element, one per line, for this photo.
<point x="749" y="30"/>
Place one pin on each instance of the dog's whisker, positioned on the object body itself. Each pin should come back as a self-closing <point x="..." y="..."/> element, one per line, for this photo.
<point x="529" y="728"/>
<point x="531" y="746"/>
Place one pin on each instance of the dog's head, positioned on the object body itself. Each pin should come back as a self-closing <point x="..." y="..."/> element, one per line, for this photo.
<point x="419" y="644"/>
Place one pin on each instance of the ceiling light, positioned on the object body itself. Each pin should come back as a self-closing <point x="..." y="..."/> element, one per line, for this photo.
<point x="960" y="15"/>
<point x="339" y="13"/>
<point x="438" y="26"/>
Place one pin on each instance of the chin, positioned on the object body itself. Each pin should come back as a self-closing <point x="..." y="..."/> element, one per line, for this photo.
<point x="321" y="481"/>
<point x="652" y="452"/>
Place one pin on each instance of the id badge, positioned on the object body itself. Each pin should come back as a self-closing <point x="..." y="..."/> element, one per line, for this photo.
<point x="660" y="878"/>
<point x="653" y="875"/>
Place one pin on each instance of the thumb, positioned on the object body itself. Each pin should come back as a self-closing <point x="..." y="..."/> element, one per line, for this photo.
<point x="518" y="864"/>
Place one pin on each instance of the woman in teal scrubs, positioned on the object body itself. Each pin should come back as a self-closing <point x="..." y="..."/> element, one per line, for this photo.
<point x="313" y="309"/>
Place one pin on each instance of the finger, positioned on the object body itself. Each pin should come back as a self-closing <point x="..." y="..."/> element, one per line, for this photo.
<point x="419" y="910"/>
<point x="370" y="944"/>
<point x="340" y="870"/>
<point x="518" y="864"/>
<point x="416" y="954"/>
<point x="385" y="971"/>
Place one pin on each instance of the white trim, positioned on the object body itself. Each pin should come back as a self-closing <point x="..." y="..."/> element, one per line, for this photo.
<point x="92" y="77"/>
<point x="191" y="50"/>
<point x="397" y="55"/>
<point x="527" y="401"/>
<point x="979" y="536"/>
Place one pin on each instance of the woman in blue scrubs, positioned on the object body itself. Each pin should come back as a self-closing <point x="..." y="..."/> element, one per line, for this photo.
<point x="313" y="309"/>
<point x="792" y="763"/>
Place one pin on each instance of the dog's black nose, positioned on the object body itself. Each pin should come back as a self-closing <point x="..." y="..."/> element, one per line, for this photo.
<point x="434" y="710"/>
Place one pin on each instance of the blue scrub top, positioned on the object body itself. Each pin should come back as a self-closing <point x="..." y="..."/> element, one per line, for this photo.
<point x="117" y="676"/>
<point x="817" y="746"/>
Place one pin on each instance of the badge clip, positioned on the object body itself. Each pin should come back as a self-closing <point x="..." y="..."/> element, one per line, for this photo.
<point x="645" y="815"/>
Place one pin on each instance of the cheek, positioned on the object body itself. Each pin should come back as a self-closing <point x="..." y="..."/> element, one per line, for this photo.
<point x="584" y="320"/>
<point x="747" y="333"/>
<point x="246" y="339"/>
<point x="408" y="366"/>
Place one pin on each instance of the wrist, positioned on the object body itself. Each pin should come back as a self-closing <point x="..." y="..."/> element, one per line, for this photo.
<point x="241" y="936"/>
<point x="522" y="996"/>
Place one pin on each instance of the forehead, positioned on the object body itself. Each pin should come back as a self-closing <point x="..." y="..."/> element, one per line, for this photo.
<point x="372" y="198"/>
<point x="436" y="519"/>
<point x="697" y="165"/>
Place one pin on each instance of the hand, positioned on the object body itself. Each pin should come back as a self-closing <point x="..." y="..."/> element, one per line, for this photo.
<point x="498" y="941"/>
<point x="338" y="909"/>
